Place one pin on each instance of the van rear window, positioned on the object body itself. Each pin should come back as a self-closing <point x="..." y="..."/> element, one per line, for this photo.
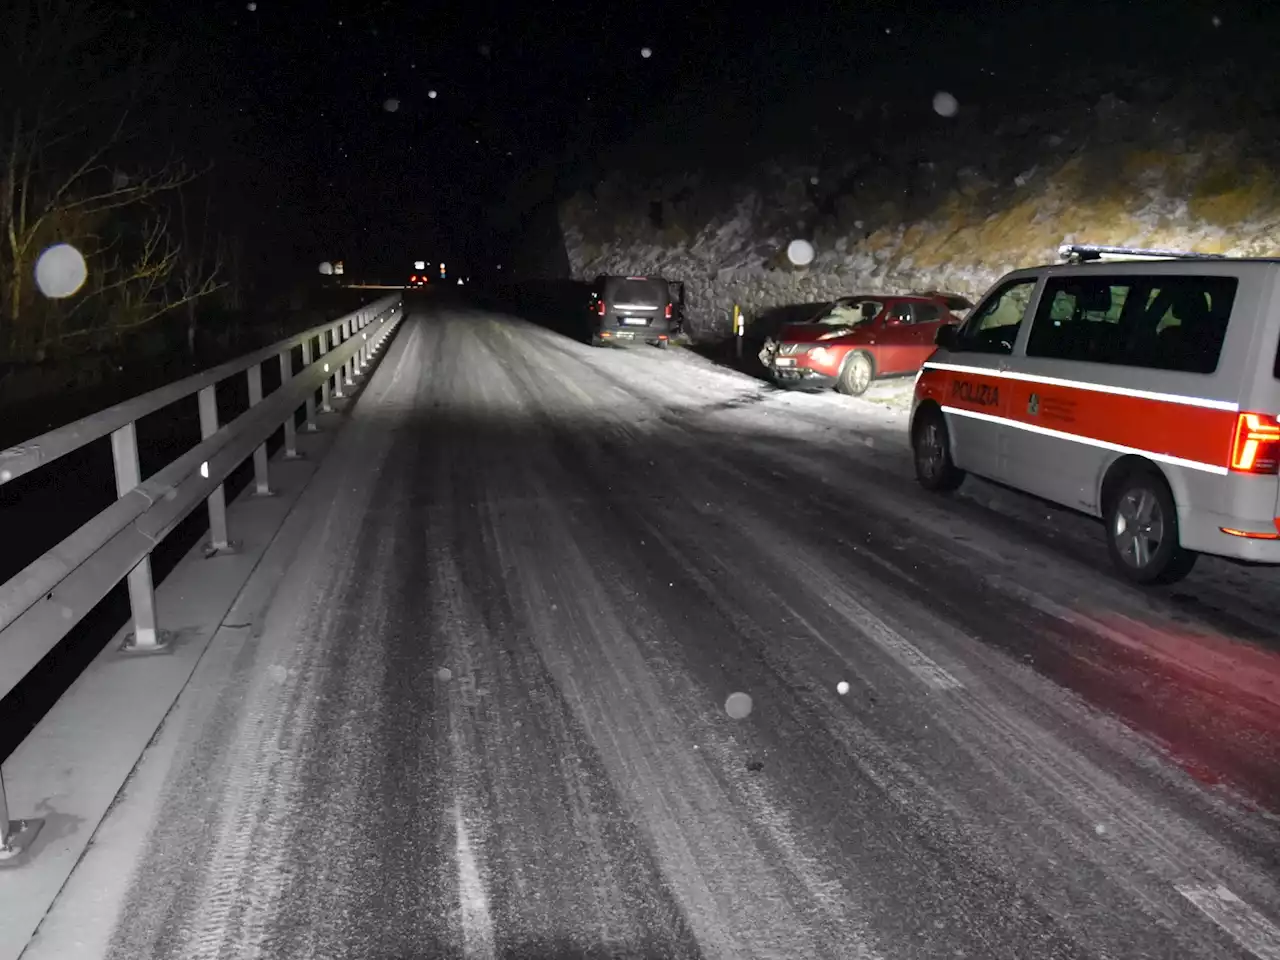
<point x="650" y="293"/>
<point x="1163" y="322"/>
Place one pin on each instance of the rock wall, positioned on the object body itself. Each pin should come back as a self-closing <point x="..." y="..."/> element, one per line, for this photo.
<point x="926" y="211"/>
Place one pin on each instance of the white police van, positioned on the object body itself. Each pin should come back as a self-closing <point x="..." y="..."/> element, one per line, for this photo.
<point x="1140" y="386"/>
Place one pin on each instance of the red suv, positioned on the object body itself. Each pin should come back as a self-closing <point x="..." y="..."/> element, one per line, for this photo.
<point x="855" y="340"/>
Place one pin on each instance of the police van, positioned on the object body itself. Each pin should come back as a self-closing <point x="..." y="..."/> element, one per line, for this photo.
<point x="1139" y="386"/>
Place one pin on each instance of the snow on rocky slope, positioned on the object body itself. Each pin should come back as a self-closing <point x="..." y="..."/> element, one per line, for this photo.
<point x="942" y="207"/>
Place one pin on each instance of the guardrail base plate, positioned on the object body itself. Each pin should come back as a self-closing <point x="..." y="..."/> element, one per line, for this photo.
<point x="163" y="644"/>
<point x="230" y="549"/>
<point x="22" y="833"/>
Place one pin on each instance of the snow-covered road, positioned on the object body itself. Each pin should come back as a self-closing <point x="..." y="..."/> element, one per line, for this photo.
<point x="485" y="715"/>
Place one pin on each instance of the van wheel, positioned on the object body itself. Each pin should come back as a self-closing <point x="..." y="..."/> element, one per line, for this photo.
<point x="1142" y="531"/>
<point x="931" y="444"/>
<point x="856" y="374"/>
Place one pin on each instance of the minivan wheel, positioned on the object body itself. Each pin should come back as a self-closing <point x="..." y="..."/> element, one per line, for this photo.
<point x="931" y="444"/>
<point x="1142" y="531"/>
<point x="856" y="374"/>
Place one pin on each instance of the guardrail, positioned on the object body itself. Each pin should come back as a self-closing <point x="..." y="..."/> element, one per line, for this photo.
<point x="41" y="605"/>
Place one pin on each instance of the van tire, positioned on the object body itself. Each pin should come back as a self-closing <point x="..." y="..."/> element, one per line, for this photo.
<point x="856" y="374"/>
<point x="931" y="452"/>
<point x="1139" y="511"/>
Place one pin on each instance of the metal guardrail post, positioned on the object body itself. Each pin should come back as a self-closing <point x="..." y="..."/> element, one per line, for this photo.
<point x="338" y="375"/>
<point x="142" y="598"/>
<point x="348" y="368"/>
<point x="261" y="470"/>
<point x="15" y="835"/>
<point x="325" y="405"/>
<point x="218" y="541"/>
<point x="310" y="425"/>
<point x="290" y="426"/>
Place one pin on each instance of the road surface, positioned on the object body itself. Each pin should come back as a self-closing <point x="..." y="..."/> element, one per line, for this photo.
<point x="559" y="671"/>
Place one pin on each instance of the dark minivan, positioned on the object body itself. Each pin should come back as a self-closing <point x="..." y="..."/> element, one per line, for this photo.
<point x="631" y="309"/>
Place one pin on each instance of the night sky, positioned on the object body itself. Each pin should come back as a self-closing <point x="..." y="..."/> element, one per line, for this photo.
<point x="287" y="99"/>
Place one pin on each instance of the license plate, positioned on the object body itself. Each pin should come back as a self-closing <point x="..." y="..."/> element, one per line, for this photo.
<point x="784" y="361"/>
<point x="625" y="335"/>
<point x="635" y="321"/>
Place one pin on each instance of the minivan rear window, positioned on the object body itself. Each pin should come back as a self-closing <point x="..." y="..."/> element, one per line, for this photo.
<point x="650" y="293"/>
<point x="1163" y="322"/>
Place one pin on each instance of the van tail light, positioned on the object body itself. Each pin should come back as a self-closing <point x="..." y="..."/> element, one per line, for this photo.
<point x="1256" y="448"/>
<point x="600" y="308"/>
<point x="668" y="311"/>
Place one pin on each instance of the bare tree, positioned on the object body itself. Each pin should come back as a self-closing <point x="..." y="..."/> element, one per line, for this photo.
<point x="200" y="271"/>
<point x="231" y="256"/>
<point x="72" y="84"/>
<point x="137" y="283"/>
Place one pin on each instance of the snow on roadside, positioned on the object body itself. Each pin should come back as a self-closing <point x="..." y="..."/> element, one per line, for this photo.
<point x="879" y="420"/>
<point x="887" y="402"/>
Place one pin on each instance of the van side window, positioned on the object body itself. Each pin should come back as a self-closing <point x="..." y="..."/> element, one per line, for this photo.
<point x="993" y="327"/>
<point x="1163" y="322"/>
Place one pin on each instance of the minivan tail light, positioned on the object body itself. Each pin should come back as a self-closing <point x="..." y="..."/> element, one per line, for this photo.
<point x="1256" y="448"/>
<point x="600" y="308"/>
<point x="668" y="311"/>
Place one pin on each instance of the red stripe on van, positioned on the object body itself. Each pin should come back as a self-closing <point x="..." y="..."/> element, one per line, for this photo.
<point x="1158" y="426"/>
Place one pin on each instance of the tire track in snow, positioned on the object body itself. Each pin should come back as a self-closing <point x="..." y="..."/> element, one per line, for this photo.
<point x="563" y="869"/>
<point x="1181" y="861"/>
<point x="735" y="901"/>
<point x="248" y="874"/>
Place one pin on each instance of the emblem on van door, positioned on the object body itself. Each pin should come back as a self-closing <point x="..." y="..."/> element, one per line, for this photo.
<point x="1033" y="405"/>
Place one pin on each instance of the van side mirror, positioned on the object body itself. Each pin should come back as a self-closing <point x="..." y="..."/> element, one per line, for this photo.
<point x="946" y="336"/>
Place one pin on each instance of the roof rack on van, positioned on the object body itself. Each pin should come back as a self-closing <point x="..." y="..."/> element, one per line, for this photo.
<point x="1084" y="252"/>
